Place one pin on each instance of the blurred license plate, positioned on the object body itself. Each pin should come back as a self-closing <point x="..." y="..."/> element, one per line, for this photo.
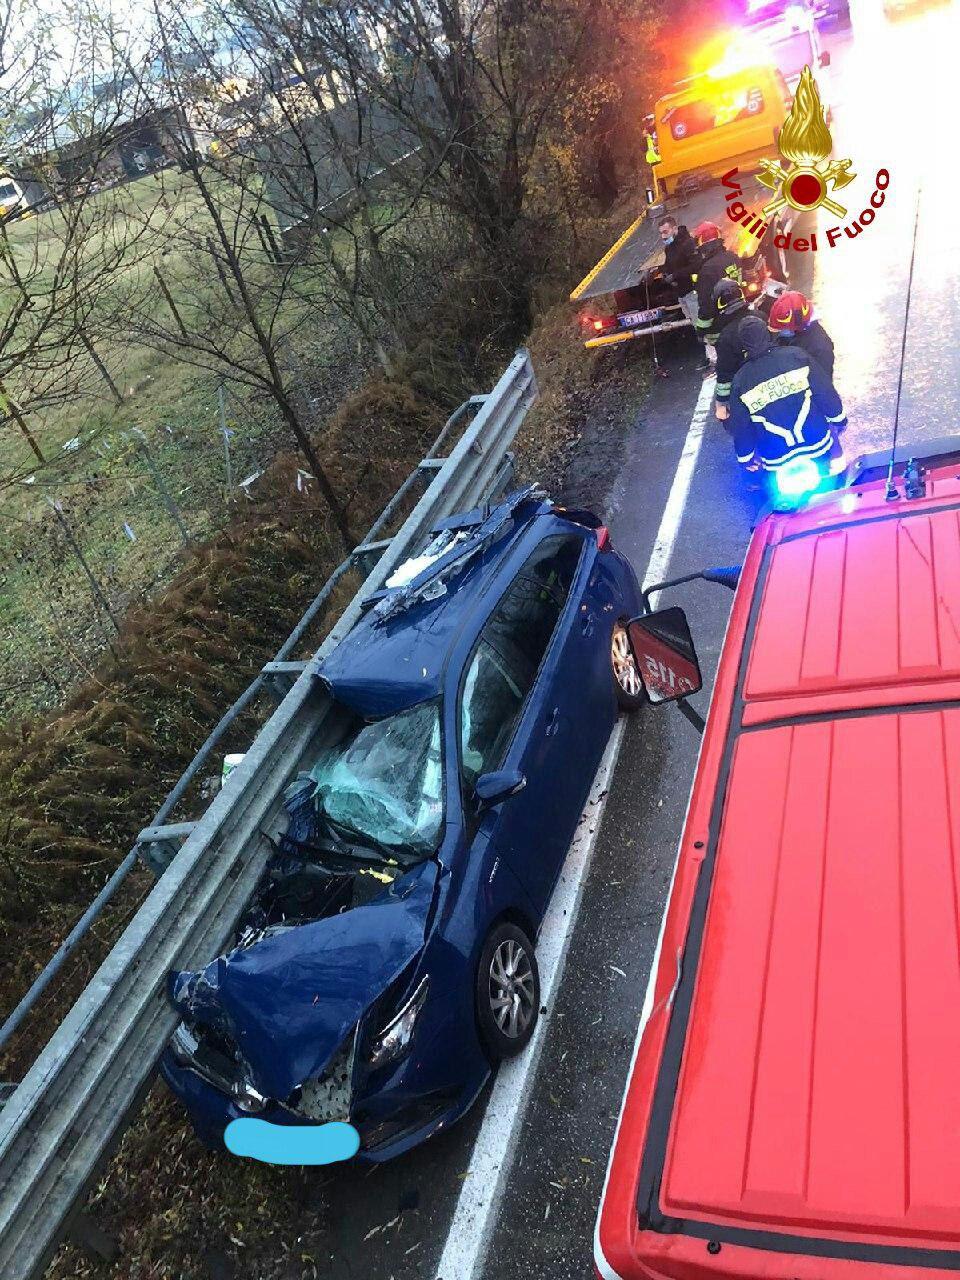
<point x="631" y="318"/>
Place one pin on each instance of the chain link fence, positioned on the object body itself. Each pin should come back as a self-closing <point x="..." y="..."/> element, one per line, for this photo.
<point x="106" y="524"/>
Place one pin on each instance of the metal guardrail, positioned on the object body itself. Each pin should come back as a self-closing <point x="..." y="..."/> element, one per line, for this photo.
<point x="157" y="843"/>
<point x="70" y="1109"/>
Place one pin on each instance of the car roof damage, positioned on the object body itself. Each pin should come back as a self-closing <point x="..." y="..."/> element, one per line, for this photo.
<point x="394" y="658"/>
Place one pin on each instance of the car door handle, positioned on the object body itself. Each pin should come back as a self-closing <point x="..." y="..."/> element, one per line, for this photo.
<point x="586" y="624"/>
<point x="553" y="722"/>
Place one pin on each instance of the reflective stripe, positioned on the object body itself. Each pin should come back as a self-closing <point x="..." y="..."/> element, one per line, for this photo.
<point x="749" y="457"/>
<point x="703" y="324"/>
<point x="801" y="451"/>
<point x="723" y="390"/>
<point x="841" y="417"/>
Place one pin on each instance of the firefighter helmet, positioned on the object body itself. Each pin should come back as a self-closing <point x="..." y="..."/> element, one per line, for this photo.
<point x="790" y="313"/>
<point x="728" y="297"/>
<point x="706" y="231"/>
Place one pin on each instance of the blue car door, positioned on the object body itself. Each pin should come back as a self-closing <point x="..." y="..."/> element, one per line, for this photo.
<point x="520" y="710"/>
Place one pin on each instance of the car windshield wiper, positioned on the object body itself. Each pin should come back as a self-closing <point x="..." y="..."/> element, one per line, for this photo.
<point x="388" y="853"/>
<point x="341" y="860"/>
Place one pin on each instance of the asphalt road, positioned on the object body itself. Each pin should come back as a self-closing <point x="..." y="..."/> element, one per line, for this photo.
<point x="893" y="89"/>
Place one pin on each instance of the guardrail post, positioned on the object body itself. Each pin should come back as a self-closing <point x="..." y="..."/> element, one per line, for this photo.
<point x="92" y="1240"/>
<point x="366" y="555"/>
<point x="158" y="846"/>
<point x="282" y="676"/>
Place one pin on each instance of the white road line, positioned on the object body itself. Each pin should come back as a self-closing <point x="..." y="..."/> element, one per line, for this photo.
<point x="492" y="1156"/>
<point x="665" y="539"/>
<point x="493" y="1150"/>
<point x="676" y="500"/>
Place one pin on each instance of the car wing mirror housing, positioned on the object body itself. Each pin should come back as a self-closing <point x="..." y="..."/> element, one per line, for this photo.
<point x="493" y="788"/>
<point x="664" y="652"/>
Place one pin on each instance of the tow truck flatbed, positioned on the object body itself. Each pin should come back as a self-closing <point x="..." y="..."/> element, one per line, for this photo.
<point x="639" y="250"/>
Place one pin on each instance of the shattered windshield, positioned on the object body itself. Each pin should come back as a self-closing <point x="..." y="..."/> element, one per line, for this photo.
<point x="383" y="782"/>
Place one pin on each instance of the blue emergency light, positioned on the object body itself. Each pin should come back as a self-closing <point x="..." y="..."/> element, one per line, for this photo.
<point x="797" y="480"/>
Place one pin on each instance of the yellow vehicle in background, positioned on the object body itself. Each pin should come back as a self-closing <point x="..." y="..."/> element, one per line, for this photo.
<point x="19" y="196"/>
<point x="716" y="122"/>
<point x="709" y="125"/>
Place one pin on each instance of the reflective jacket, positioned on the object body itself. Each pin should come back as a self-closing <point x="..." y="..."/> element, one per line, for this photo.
<point x="783" y="406"/>
<point x="729" y="352"/>
<point x="716" y="262"/>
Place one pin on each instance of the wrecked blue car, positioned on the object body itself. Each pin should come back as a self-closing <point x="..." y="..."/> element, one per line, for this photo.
<point x="386" y="963"/>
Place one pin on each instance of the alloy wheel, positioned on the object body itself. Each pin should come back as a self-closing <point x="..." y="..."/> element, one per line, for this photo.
<point x="511" y="988"/>
<point x="624" y="664"/>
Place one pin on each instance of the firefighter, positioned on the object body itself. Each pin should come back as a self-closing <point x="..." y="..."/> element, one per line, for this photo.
<point x="731" y="306"/>
<point x="782" y="405"/>
<point x="793" y="321"/>
<point x="680" y="264"/>
<point x="716" y="263"/>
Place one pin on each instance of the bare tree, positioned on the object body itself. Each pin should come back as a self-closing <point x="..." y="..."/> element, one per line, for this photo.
<point x="446" y="103"/>
<point x="61" y="242"/>
<point x="225" y="305"/>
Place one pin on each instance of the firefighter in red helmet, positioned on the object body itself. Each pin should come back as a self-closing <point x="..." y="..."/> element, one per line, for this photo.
<point x="717" y="263"/>
<point x="793" y="321"/>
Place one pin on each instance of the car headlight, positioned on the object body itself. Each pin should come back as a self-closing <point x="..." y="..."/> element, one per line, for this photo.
<point x="394" y="1040"/>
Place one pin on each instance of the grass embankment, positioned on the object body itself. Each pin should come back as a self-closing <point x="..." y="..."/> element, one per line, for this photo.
<point x="52" y="627"/>
<point x="76" y="785"/>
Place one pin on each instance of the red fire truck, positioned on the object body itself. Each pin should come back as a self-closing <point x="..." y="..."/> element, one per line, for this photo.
<point x="793" y="1105"/>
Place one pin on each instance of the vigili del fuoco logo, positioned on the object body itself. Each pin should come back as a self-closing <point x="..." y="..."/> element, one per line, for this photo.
<point x="809" y="180"/>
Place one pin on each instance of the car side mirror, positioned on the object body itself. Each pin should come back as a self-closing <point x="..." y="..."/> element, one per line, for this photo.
<point x="493" y="788"/>
<point x="665" y="655"/>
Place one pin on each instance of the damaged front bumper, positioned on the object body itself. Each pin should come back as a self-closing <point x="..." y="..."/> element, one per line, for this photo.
<point x="343" y="1018"/>
<point x="393" y="1111"/>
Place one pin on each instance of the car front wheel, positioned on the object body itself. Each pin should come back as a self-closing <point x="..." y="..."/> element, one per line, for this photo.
<point x="627" y="684"/>
<point x="508" y="991"/>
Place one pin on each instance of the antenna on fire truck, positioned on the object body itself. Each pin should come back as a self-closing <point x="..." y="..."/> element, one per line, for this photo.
<point x="892" y="493"/>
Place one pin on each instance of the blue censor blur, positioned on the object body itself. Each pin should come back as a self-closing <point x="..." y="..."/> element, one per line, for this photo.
<point x="291" y="1144"/>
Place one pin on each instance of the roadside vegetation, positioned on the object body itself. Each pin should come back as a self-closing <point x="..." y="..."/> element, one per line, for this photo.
<point x="261" y="307"/>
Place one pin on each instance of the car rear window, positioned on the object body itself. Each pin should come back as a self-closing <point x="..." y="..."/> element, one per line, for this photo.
<point x="522" y="625"/>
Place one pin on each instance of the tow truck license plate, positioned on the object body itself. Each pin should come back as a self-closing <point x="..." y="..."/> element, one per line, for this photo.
<point x="631" y="318"/>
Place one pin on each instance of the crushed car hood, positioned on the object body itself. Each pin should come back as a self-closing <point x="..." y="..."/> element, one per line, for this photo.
<point x="289" y="1000"/>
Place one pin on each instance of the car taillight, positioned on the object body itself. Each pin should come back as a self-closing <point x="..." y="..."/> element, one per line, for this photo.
<point x="599" y="323"/>
<point x="603" y="538"/>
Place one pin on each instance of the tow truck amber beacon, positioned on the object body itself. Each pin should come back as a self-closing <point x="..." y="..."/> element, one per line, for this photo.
<point x="805" y="143"/>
